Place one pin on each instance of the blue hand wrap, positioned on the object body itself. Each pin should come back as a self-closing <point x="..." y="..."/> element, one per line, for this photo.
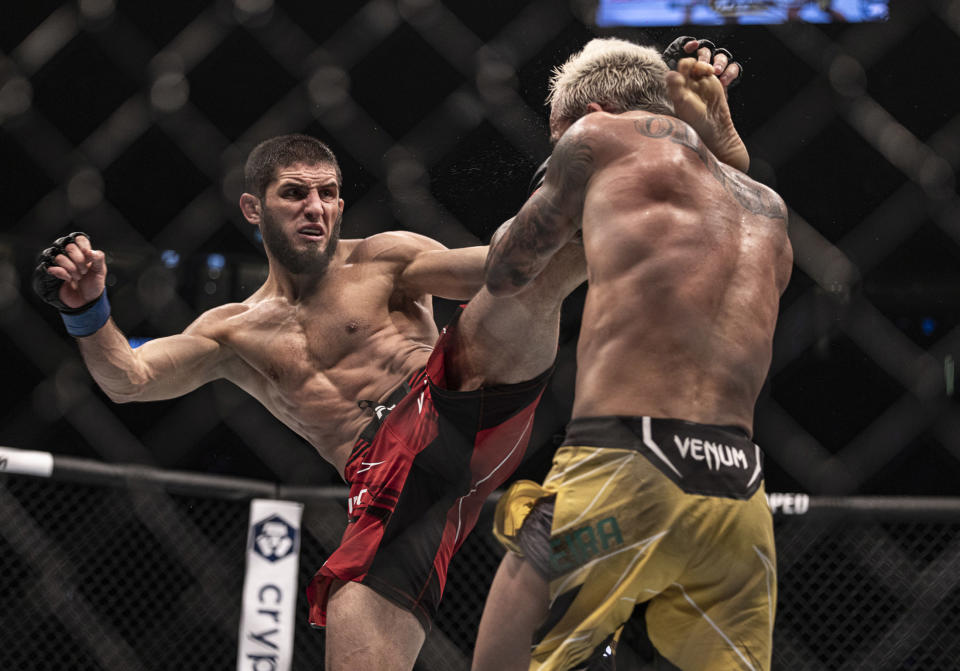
<point x="90" y="320"/>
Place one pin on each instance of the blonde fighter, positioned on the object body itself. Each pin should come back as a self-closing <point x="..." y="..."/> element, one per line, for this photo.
<point x="656" y="496"/>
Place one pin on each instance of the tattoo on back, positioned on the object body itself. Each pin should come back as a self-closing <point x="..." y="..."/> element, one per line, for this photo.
<point x="751" y="196"/>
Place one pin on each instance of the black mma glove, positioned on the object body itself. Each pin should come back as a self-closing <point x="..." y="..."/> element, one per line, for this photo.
<point x="674" y="52"/>
<point x="46" y="285"/>
<point x="80" y="321"/>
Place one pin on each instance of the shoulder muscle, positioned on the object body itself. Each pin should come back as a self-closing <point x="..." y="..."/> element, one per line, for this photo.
<point x="394" y="247"/>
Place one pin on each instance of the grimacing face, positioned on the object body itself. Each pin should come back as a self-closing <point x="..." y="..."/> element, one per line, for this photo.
<point x="301" y="217"/>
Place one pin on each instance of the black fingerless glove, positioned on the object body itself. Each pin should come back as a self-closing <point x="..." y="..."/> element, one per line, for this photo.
<point x="46" y="285"/>
<point x="674" y="52"/>
<point x="80" y="321"/>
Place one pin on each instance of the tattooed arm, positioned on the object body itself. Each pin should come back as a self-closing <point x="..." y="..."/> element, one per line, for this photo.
<point x="550" y="218"/>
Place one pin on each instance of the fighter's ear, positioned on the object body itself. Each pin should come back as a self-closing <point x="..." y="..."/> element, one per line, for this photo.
<point x="250" y="206"/>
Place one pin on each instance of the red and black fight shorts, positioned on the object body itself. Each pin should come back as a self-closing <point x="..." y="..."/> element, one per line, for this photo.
<point x="417" y="487"/>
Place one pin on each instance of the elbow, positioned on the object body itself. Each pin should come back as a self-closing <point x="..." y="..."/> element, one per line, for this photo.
<point x="123" y="390"/>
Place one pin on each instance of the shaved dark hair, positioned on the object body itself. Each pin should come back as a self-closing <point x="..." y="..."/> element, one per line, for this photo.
<point x="282" y="152"/>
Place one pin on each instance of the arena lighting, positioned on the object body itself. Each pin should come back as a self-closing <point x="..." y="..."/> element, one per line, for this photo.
<point x="738" y="12"/>
<point x="170" y="258"/>
<point x="216" y="262"/>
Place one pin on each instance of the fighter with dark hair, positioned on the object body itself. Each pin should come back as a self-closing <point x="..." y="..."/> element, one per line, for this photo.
<point x="340" y="344"/>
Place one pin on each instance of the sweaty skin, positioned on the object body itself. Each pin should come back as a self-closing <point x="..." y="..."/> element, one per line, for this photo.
<point x="358" y="336"/>
<point x="672" y="337"/>
<point x="307" y="345"/>
<point x="332" y="325"/>
<point x="686" y="257"/>
<point x="686" y="262"/>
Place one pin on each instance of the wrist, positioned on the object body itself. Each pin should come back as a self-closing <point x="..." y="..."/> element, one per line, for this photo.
<point x="90" y="319"/>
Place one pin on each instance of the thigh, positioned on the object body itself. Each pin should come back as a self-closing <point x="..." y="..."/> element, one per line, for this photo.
<point x="367" y="631"/>
<point x="514" y="338"/>
<point x="503" y="341"/>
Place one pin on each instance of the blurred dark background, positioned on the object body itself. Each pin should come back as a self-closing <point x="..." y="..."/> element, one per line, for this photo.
<point x="130" y="120"/>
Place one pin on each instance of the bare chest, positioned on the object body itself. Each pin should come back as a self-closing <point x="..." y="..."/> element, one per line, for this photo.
<point x="286" y="346"/>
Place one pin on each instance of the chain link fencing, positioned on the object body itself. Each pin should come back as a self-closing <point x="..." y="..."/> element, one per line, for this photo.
<point x="435" y="109"/>
<point x="108" y="568"/>
<point x="131" y="120"/>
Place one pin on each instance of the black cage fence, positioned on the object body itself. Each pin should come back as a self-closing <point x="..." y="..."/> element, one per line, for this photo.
<point x="131" y="120"/>
<point x="107" y="568"/>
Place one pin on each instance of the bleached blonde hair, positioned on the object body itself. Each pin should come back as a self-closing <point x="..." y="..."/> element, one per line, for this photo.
<point x="617" y="74"/>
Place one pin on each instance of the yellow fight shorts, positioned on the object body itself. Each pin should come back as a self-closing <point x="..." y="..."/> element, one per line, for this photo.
<point x="658" y="511"/>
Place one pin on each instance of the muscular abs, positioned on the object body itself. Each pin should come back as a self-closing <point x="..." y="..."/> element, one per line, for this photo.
<point x="310" y="364"/>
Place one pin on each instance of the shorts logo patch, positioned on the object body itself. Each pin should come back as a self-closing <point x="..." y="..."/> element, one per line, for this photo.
<point x="355" y="501"/>
<point x="274" y="538"/>
<point x="702" y="459"/>
<point x="383" y="410"/>
<point x="715" y="454"/>
<point x="367" y="465"/>
<point x="577" y="547"/>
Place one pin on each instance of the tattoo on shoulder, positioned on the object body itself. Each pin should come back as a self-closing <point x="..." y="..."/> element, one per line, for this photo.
<point x="543" y="223"/>
<point x="752" y="197"/>
<point x="517" y="254"/>
<point x="574" y="162"/>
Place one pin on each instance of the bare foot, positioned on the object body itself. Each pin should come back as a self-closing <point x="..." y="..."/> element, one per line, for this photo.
<point x="700" y="100"/>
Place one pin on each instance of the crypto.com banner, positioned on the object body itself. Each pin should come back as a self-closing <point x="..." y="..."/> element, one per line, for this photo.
<point x="270" y="586"/>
